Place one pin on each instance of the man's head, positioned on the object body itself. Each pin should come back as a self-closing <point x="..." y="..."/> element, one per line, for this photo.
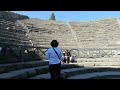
<point x="54" y="43"/>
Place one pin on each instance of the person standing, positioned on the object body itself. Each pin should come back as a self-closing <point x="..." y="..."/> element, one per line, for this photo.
<point x="55" y="56"/>
<point x="68" y="55"/>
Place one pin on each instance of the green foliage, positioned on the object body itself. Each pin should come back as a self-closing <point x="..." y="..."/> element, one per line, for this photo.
<point x="52" y="17"/>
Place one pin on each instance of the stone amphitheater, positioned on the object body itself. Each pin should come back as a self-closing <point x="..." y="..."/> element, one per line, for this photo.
<point x="95" y="43"/>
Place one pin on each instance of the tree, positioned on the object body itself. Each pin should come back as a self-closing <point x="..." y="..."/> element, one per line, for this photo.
<point x="52" y="17"/>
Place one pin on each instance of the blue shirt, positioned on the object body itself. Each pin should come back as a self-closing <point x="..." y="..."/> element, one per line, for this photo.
<point x="52" y="56"/>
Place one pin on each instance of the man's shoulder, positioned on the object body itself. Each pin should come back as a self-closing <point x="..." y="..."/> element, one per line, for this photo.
<point x="59" y="48"/>
<point x="49" y="49"/>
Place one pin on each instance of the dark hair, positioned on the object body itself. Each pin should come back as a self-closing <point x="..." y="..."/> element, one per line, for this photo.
<point x="54" y="43"/>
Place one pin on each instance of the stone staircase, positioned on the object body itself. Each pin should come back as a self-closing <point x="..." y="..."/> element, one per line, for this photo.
<point x="99" y="61"/>
<point x="39" y="70"/>
<point x="45" y="31"/>
<point x="98" y="33"/>
<point x="24" y="70"/>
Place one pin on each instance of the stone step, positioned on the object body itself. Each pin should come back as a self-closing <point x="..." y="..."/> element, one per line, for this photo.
<point x="47" y="75"/>
<point x="23" y="73"/>
<point x="85" y="70"/>
<point x="66" y="73"/>
<point x="21" y="65"/>
<point x="41" y="76"/>
<point x="115" y="59"/>
<point x="29" y="72"/>
<point x="95" y="74"/>
<point x="99" y="63"/>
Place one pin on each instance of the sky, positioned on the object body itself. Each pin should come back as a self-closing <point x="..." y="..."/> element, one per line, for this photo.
<point x="71" y="15"/>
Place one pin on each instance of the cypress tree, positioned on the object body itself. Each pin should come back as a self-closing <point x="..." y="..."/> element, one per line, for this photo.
<point x="52" y="17"/>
